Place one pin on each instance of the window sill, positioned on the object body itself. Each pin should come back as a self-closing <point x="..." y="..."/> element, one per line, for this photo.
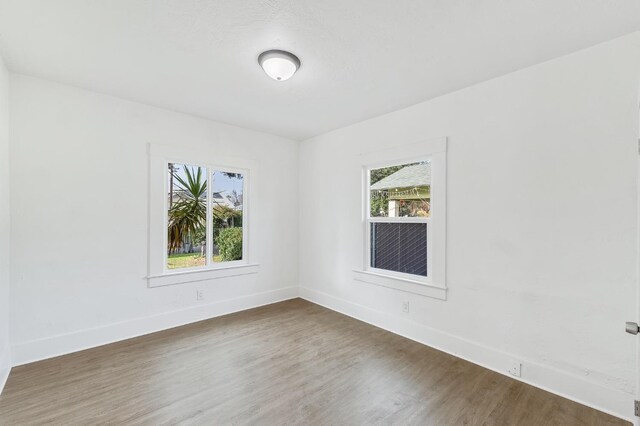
<point x="402" y="284"/>
<point x="180" y="277"/>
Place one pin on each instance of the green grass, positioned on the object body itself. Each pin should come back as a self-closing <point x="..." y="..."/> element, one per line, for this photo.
<point x="187" y="260"/>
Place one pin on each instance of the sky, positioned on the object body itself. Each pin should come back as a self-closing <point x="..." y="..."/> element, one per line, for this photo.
<point x="225" y="184"/>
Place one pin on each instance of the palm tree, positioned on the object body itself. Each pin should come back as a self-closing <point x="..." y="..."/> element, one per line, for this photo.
<point x="187" y="214"/>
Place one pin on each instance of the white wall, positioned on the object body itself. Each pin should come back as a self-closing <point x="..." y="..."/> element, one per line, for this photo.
<point x="79" y="230"/>
<point x="4" y="224"/>
<point x="541" y="221"/>
<point x="541" y="243"/>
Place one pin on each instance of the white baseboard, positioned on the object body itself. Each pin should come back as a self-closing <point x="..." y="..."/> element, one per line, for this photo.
<point x="36" y="350"/>
<point x="5" y="368"/>
<point x="4" y="375"/>
<point x="611" y="401"/>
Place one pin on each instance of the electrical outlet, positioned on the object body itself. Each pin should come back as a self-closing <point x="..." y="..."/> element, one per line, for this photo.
<point x="515" y="368"/>
<point x="405" y="306"/>
<point x="199" y="294"/>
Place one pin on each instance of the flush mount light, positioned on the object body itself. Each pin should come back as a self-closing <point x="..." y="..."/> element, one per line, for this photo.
<point x="278" y="64"/>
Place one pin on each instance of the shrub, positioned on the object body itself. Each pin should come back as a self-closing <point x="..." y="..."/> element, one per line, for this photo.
<point x="229" y="242"/>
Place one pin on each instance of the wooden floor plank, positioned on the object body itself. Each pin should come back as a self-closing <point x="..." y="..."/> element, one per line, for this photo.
<point x="288" y="363"/>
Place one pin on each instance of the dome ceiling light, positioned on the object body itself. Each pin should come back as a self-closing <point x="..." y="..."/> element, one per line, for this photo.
<point x="278" y="64"/>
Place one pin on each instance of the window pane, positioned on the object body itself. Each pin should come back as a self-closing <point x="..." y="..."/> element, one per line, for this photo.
<point x="399" y="247"/>
<point x="227" y="208"/>
<point x="187" y="215"/>
<point x="401" y="191"/>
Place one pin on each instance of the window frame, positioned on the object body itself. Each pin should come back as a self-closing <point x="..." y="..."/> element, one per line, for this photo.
<point x="209" y="264"/>
<point x="368" y="220"/>
<point x="434" y="285"/>
<point x="159" y="156"/>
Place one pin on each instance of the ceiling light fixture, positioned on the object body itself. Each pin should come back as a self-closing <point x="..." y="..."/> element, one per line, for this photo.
<point x="278" y="64"/>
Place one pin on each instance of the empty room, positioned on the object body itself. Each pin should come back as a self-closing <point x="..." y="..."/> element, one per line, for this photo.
<point x="319" y="212"/>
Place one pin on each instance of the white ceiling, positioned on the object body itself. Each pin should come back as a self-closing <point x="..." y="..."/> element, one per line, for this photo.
<point x="360" y="58"/>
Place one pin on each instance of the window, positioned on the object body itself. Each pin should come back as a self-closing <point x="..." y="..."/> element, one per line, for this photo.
<point x="399" y="205"/>
<point x="199" y="215"/>
<point x="204" y="216"/>
<point x="404" y="218"/>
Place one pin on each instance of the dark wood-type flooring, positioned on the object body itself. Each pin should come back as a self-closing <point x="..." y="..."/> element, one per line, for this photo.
<point x="288" y="363"/>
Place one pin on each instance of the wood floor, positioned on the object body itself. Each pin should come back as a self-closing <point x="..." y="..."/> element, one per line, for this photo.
<point x="288" y="363"/>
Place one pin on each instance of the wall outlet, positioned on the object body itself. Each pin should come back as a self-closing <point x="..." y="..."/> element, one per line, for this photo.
<point x="199" y="294"/>
<point x="405" y="306"/>
<point x="515" y="368"/>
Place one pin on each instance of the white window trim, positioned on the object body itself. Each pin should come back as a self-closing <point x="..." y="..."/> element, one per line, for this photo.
<point x="158" y="273"/>
<point x="434" y="285"/>
<point x="181" y="276"/>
